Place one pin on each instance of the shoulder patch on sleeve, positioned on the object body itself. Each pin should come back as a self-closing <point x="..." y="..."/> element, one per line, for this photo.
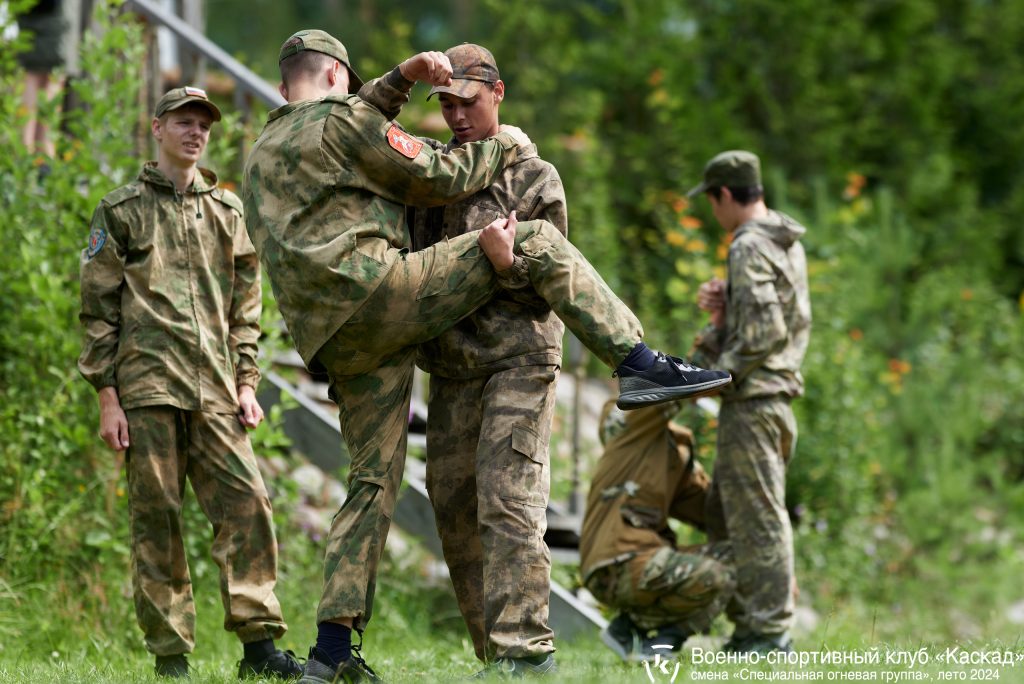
<point x="122" y="194"/>
<point x="97" y="238"/>
<point x="407" y="145"/>
<point x="229" y="198"/>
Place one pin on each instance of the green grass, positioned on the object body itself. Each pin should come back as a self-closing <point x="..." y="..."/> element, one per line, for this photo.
<point x="80" y="627"/>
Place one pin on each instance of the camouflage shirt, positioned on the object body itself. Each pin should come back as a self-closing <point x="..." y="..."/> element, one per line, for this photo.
<point x="768" y="312"/>
<point x="170" y="295"/>
<point x="646" y="475"/>
<point x="325" y="187"/>
<point x="514" y="329"/>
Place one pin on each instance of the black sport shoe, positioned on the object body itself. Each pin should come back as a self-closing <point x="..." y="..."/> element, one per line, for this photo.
<point x="355" y="669"/>
<point x="759" y="643"/>
<point x="516" y="668"/>
<point x="668" y="378"/>
<point x="281" y="664"/>
<point x="175" y="666"/>
<point x="634" y="645"/>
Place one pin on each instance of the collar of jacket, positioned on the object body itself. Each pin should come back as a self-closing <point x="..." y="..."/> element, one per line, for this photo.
<point x="204" y="181"/>
<point x="527" y="152"/>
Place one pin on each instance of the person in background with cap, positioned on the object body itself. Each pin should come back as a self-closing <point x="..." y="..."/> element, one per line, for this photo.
<point x="325" y="187"/>
<point x="171" y="305"/>
<point x="492" y="399"/>
<point x="760" y="325"/>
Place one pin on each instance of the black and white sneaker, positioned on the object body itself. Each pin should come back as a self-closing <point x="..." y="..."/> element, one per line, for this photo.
<point x="668" y="378"/>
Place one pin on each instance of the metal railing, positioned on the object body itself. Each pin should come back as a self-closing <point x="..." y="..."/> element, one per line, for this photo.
<point x="247" y="82"/>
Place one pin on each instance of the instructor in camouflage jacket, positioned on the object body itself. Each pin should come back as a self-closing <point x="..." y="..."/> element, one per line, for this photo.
<point x="325" y="188"/>
<point x="492" y="398"/>
<point x="760" y="325"/>
<point x="171" y="306"/>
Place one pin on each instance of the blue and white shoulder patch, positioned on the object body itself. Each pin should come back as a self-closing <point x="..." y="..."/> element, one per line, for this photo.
<point x="97" y="238"/>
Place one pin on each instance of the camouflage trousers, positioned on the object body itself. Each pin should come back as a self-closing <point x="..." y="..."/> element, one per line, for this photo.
<point x="686" y="587"/>
<point x="370" y="364"/>
<point x="489" y="476"/>
<point x="212" y="450"/>
<point x="747" y="505"/>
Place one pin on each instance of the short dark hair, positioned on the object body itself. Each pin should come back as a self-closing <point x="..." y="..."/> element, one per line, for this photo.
<point x="303" y="64"/>
<point x="742" y="195"/>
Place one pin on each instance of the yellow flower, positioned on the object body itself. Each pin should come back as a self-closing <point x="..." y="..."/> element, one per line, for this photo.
<point x="696" y="246"/>
<point x="675" y="238"/>
<point x="690" y="222"/>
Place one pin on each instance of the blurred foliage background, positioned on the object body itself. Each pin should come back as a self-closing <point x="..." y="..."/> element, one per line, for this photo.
<point x="891" y="129"/>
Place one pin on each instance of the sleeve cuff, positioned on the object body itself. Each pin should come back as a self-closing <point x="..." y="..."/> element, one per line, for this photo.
<point x="396" y="80"/>
<point x="516" y="276"/>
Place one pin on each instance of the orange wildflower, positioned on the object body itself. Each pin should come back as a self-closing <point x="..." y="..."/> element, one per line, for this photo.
<point x="856" y="334"/>
<point x="690" y="222"/>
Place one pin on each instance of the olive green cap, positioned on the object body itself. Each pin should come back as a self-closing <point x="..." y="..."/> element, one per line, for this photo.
<point x="323" y="42"/>
<point x="179" y="97"/>
<point x="732" y="169"/>
<point x="472" y="67"/>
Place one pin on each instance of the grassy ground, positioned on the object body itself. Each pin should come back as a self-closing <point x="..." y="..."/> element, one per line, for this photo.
<point x="82" y="629"/>
<point x="417" y="635"/>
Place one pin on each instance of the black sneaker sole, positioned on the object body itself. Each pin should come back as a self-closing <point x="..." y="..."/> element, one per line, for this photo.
<point x="635" y="399"/>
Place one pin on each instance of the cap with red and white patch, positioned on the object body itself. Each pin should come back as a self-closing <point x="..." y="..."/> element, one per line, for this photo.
<point x="179" y="97"/>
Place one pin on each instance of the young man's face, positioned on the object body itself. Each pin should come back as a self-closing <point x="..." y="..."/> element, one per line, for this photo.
<point x="182" y="134"/>
<point x="723" y="209"/>
<point x="474" y="118"/>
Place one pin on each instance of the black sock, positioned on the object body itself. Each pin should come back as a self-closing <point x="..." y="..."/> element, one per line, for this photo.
<point x="258" y="651"/>
<point x="334" y="641"/>
<point x="641" y="358"/>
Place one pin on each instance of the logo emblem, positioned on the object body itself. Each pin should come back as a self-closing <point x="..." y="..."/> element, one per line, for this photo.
<point x="97" y="238"/>
<point x="660" y="665"/>
<point x="195" y="92"/>
<point x="406" y="145"/>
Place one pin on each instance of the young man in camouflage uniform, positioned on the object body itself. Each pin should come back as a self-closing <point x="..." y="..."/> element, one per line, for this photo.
<point x="171" y="306"/>
<point x="760" y="324"/>
<point x="492" y="399"/>
<point x="325" y="188"/>
<point x="628" y="553"/>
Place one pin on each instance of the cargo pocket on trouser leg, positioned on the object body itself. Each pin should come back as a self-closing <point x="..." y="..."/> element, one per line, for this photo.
<point x="530" y="483"/>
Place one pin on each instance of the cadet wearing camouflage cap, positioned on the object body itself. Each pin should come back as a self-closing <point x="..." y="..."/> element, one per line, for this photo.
<point x="492" y="399"/>
<point x="325" y="188"/>
<point x="171" y="304"/>
<point x="760" y="325"/>
<point x="628" y="554"/>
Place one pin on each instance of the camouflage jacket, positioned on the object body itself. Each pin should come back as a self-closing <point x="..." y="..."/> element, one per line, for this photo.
<point x="646" y="475"/>
<point x="325" y="187"/>
<point x="768" y="312"/>
<point x="170" y="295"/>
<point x="514" y="329"/>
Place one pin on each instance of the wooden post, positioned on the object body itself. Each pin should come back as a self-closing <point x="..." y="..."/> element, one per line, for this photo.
<point x="193" y="65"/>
<point x="152" y="88"/>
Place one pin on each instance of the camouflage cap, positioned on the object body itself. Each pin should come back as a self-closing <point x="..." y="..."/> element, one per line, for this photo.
<point x="472" y="67"/>
<point x="323" y="42"/>
<point x="733" y="169"/>
<point x="179" y="97"/>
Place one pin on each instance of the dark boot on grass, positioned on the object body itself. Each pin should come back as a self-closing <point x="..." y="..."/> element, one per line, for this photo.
<point x="173" y="666"/>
